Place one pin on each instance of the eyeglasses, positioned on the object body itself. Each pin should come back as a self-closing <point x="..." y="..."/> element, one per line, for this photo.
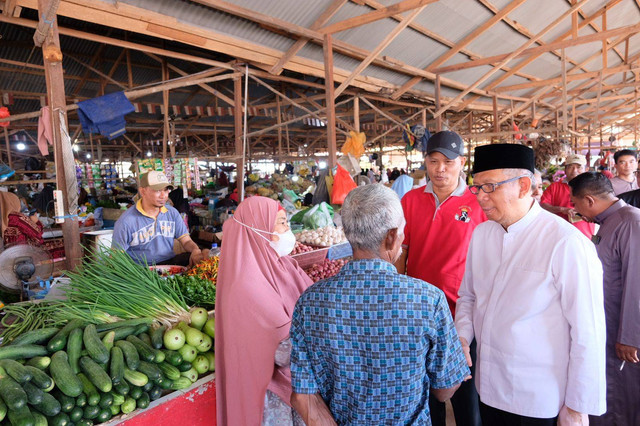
<point x="488" y="188"/>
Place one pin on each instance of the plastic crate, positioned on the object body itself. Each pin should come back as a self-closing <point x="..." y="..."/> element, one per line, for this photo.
<point x="340" y="251"/>
<point x="311" y="258"/>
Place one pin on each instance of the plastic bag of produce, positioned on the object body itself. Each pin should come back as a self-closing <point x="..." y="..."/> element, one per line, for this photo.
<point x="317" y="217"/>
<point x="343" y="183"/>
<point x="289" y="195"/>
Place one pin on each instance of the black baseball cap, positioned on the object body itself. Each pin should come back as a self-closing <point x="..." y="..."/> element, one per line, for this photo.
<point x="448" y="143"/>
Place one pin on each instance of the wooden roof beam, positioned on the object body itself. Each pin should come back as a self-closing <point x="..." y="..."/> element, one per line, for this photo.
<point x="438" y="38"/>
<point x="376" y="15"/>
<point x="510" y="57"/>
<point x="300" y="43"/>
<point x="460" y="45"/>
<point x="560" y="44"/>
<point x="523" y="30"/>
<point x="571" y="77"/>
<point x="527" y="61"/>
<point x="205" y="87"/>
<point x="597" y="29"/>
<point x="379" y="48"/>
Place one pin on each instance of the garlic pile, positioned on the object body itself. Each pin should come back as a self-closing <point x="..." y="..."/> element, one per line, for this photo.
<point x="326" y="236"/>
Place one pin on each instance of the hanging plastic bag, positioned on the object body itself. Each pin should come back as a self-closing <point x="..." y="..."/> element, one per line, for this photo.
<point x="4" y="113"/>
<point x="354" y="144"/>
<point x="343" y="183"/>
<point x="289" y="195"/>
<point x="317" y="217"/>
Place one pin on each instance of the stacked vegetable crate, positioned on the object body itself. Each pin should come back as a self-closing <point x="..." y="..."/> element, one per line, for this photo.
<point x="86" y="374"/>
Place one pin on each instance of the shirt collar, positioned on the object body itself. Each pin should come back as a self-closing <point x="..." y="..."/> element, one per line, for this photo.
<point x="611" y="210"/>
<point x="526" y="220"/>
<point x="369" y="264"/>
<point x="458" y="192"/>
<point x="163" y="209"/>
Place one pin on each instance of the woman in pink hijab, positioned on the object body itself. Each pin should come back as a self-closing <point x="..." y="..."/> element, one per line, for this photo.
<point x="258" y="286"/>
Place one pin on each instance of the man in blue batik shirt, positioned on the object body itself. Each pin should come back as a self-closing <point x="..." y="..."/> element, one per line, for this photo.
<point x="369" y="344"/>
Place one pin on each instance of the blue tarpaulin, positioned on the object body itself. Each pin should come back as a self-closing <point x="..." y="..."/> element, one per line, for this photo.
<point x="105" y="115"/>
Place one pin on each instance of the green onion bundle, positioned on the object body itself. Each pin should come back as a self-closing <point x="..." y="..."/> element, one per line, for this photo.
<point x="111" y="286"/>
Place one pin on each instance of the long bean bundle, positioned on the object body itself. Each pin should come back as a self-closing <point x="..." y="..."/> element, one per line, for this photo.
<point x="112" y="286"/>
<point x="26" y="316"/>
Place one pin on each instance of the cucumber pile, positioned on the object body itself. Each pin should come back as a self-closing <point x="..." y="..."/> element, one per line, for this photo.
<point x="86" y="374"/>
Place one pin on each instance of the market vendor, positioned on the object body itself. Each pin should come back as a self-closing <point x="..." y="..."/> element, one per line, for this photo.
<point x="146" y="231"/>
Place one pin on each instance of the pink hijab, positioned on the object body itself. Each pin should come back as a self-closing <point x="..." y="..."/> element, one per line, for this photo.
<point x="256" y="293"/>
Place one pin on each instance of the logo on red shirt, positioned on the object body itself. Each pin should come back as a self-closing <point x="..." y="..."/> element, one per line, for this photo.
<point x="463" y="215"/>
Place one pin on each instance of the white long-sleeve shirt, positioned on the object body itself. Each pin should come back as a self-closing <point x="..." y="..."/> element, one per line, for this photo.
<point x="532" y="297"/>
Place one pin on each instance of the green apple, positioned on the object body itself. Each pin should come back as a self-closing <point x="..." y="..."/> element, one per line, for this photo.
<point x="190" y="374"/>
<point x="173" y="339"/>
<point x="210" y="328"/>
<point x="199" y="317"/>
<point x="211" y="356"/>
<point x="188" y="353"/>
<point x="201" y="364"/>
<point x="205" y="345"/>
<point x="194" y="337"/>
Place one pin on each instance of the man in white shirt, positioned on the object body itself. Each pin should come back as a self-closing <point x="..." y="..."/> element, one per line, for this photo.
<point x="532" y="297"/>
<point x="626" y="167"/>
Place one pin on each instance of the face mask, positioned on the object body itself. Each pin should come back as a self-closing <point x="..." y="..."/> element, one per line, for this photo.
<point x="284" y="245"/>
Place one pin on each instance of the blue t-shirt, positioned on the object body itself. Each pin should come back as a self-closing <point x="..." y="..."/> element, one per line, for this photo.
<point x="373" y="342"/>
<point x="146" y="238"/>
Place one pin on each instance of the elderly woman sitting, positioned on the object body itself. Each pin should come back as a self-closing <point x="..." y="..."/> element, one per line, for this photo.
<point x="369" y="344"/>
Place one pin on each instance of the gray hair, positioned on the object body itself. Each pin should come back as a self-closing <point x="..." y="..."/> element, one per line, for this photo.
<point x="368" y="213"/>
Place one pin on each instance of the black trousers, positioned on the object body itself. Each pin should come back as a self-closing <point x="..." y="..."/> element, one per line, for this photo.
<point x="465" y="402"/>
<point x="494" y="417"/>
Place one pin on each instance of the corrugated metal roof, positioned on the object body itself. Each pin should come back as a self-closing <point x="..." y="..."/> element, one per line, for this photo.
<point x="451" y="19"/>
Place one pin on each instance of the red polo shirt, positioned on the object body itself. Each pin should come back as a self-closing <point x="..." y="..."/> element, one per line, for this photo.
<point x="437" y="237"/>
<point x="559" y="194"/>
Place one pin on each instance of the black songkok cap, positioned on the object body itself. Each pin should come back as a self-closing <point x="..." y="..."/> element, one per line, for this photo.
<point x="503" y="156"/>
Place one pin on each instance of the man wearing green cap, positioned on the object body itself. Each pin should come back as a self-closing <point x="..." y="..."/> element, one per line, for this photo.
<point x="532" y="298"/>
<point x="146" y="231"/>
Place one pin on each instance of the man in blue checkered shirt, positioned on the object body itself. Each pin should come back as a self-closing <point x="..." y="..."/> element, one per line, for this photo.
<point x="369" y="344"/>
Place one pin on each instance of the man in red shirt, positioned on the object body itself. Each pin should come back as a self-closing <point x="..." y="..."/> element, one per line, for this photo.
<point x="557" y="197"/>
<point x="440" y="220"/>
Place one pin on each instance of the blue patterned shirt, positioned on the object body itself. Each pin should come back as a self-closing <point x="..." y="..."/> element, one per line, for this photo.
<point x="372" y="342"/>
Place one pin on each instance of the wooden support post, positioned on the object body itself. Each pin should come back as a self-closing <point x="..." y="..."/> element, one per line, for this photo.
<point x="470" y="128"/>
<point x="437" y="100"/>
<point x="605" y="46"/>
<point x="424" y="118"/>
<point x="574" y="22"/>
<point x="63" y="154"/>
<point x="356" y="113"/>
<point x="237" y="115"/>
<point x="329" y="92"/>
<point x="564" y="91"/>
<point x="496" y="122"/>
<point x="8" y="146"/>
<point x="279" y="121"/>
<point x="601" y="142"/>
<point x="574" y="124"/>
<point x="165" y="103"/>
<point x="129" y="69"/>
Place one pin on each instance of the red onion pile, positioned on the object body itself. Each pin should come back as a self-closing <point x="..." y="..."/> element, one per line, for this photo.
<point x="300" y="248"/>
<point x="326" y="269"/>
